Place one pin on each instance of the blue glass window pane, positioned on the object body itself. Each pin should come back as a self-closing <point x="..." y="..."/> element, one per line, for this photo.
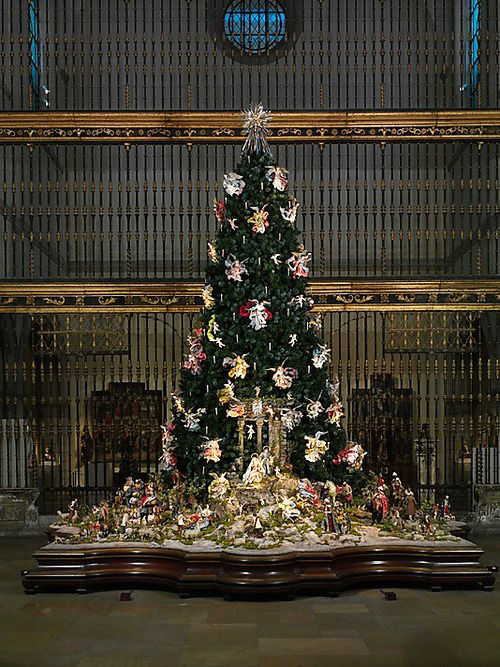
<point x="255" y="26"/>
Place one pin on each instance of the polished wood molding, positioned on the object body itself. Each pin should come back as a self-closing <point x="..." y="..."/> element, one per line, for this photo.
<point x="190" y="127"/>
<point x="87" y="567"/>
<point x="184" y="296"/>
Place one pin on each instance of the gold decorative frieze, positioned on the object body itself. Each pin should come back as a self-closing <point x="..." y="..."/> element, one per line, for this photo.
<point x="185" y="296"/>
<point x="225" y="127"/>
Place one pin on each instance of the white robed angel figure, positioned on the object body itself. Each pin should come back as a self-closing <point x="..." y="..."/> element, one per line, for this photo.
<point x="267" y="460"/>
<point x="316" y="446"/>
<point x="219" y="486"/>
<point x="255" y="471"/>
<point x="258" y="314"/>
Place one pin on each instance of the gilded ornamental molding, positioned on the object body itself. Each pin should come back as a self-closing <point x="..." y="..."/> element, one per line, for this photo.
<point x="184" y="296"/>
<point x="225" y="127"/>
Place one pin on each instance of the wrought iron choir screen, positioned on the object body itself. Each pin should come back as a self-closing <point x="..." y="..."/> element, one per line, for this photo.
<point x="105" y="218"/>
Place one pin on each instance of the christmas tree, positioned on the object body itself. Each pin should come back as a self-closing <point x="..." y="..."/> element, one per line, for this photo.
<point x="256" y="374"/>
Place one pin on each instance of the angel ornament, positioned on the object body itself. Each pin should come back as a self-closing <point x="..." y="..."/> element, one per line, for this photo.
<point x="235" y="269"/>
<point x="238" y="365"/>
<point x="167" y="442"/>
<point x="335" y="412"/>
<point x="314" y="408"/>
<point x="283" y="377"/>
<point x="259" y="219"/>
<point x="233" y="184"/>
<point x="211" y="449"/>
<point x="290" y="418"/>
<point x="219" y="486"/>
<point x="277" y="176"/>
<point x="192" y="419"/>
<point x="320" y="356"/>
<point x="315" y="446"/>
<point x="212" y="252"/>
<point x="226" y="394"/>
<point x="207" y="296"/>
<point x="297" y="263"/>
<point x="257" y="312"/>
<point x="290" y="214"/>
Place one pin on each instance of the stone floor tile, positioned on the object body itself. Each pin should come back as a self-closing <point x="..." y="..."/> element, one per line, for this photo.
<point x="215" y="634"/>
<point x="282" y="630"/>
<point x="332" y="646"/>
<point x="221" y="656"/>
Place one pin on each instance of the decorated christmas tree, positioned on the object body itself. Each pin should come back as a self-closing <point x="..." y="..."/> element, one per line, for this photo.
<point x="255" y="378"/>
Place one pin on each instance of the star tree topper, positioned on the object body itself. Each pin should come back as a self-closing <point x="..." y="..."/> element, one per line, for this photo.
<point x="255" y="121"/>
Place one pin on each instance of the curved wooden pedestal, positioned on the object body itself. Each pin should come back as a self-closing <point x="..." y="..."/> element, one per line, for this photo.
<point x="81" y="568"/>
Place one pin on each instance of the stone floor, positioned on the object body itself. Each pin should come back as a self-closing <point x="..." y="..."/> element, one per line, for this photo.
<point x="157" y="628"/>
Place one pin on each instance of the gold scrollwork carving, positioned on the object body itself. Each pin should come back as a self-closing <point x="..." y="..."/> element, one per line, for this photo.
<point x="159" y="300"/>
<point x="355" y="298"/>
<point x="407" y="298"/>
<point x="224" y="130"/>
<point x="456" y="297"/>
<point x="5" y="300"/>
<point x="106" y="300"/>
<point x="54" y="300"/>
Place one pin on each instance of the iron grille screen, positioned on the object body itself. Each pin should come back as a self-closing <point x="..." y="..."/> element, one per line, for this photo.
<point x="255" y="26"/>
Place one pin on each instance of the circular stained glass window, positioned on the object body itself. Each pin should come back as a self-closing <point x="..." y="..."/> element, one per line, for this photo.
<point x="255" y="26"/>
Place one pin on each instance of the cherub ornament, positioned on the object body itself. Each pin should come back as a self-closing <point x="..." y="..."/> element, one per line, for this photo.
<point x="258" y="407"/>
<point x="259" y="219"/>
<point x="277" y="176"/>
<point x="233" y="184"/>
<point x="232" y="223"/>
<point x="297" y="263"/>
<point x="321" y="354"/>
<point x="315" y="446"/>
<point x="301" y="300"/>
<point x="250" y="431"/>
<point x="235" y="270"/>
<point x="292" y="341"/>
<point x="213" y="328"/>
<point x="276" y="259"/>
<point x="290" y="214"/>
<point x="211" y="449"/>
<point x="257" y="313"/>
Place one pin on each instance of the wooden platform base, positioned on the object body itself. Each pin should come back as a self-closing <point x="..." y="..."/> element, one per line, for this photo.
<point x="82" y="568"/>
